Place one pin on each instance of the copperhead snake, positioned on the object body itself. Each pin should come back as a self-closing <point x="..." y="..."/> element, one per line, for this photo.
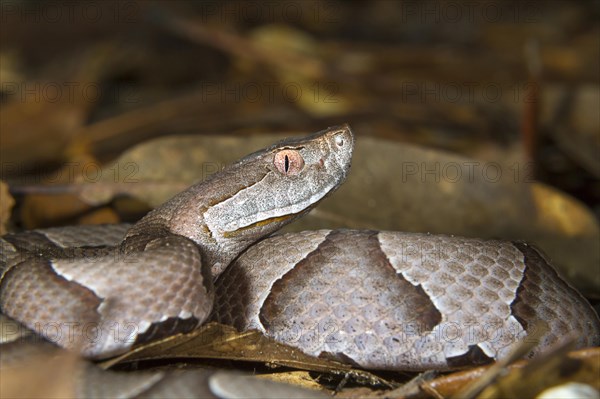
<point x="376" y="299"/>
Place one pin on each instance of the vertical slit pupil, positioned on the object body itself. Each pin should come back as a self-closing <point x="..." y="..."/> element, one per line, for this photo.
<point x="287" y="164"/>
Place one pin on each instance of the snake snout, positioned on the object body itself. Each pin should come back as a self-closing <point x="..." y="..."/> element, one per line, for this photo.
<point x="341" y="142"/>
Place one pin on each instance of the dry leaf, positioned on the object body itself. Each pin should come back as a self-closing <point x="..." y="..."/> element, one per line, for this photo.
<point x="217" y="341"/>
<point x="581" y="365"/>
<point x="6" y="204"/>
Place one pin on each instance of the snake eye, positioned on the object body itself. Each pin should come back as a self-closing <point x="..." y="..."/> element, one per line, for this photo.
<point x="288" y="162"/>
<point x="339" y="141"/>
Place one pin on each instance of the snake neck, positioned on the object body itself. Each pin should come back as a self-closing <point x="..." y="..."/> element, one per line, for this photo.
<point x="184" y="215"/>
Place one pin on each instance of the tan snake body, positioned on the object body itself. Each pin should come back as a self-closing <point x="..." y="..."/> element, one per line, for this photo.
<point x="384" y="300"/>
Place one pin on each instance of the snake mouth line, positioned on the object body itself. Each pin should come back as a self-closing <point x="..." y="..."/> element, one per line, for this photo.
<point x="233" y="233"/>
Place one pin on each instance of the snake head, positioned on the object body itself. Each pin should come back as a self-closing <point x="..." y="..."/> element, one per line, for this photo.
<point x="266" y="190"/>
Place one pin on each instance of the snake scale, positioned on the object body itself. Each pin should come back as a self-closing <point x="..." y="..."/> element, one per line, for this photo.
<point x="376" y="299"/>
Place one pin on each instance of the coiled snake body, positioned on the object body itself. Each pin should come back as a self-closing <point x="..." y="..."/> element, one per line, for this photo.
<point x="385" y="300"/>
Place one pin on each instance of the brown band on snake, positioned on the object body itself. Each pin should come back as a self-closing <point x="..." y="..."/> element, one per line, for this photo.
<point x="332" y="298"/>
<point x="62" y="305"/>
<point x="35" y="244"/>
<point x="474" y="357"/>
<point x="545" y="297"/>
